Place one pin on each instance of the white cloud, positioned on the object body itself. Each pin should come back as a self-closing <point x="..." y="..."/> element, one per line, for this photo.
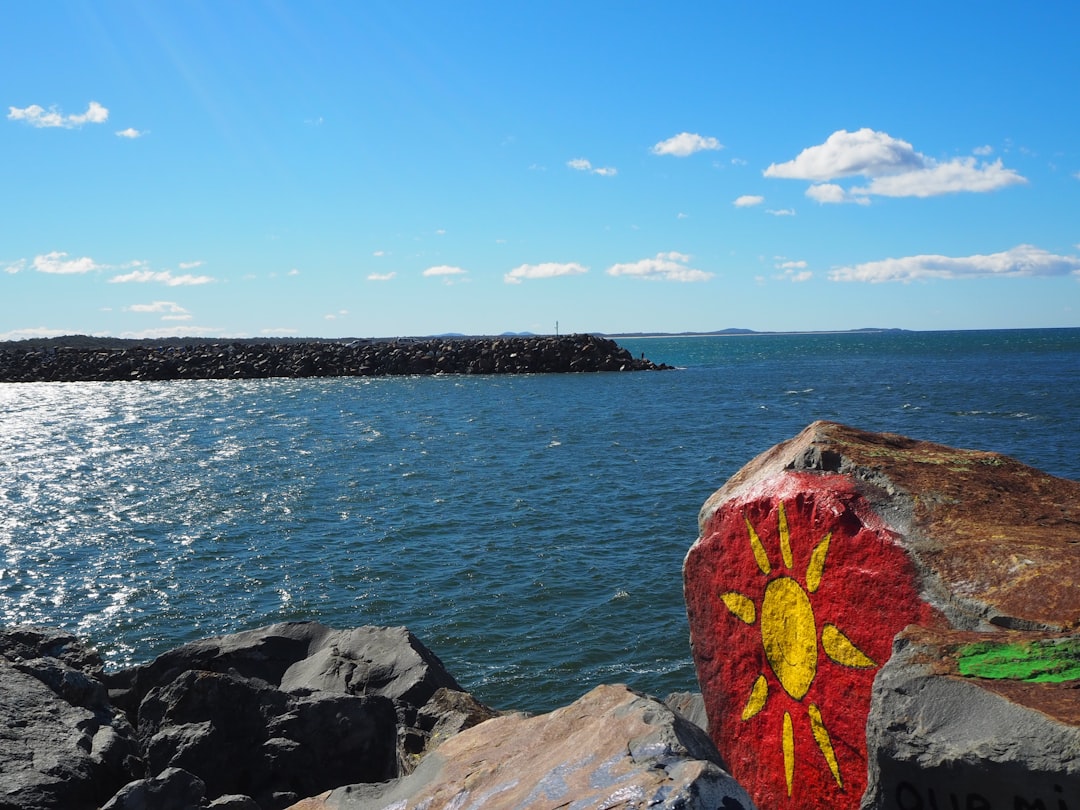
<point x="379" y="253"/>
<point x="440" y="232"/>
<point x="380" y="276"/>
<point x="781" y="212"/>
<point x="36" y="332"/>
<point x="962" y="174"/>
<point x="983" y="151"/>
<point x="1020" y="261"/>
<point x="161" y="277"/>
<point x="582" y="165"/>
<point x="796" y="276"/>
<point x="793" y="271"/>
<point x="170" y="307"/>
<point x="15" y="267"/>
<point x="131" y="133"/>
<point x="892" y="166"/>
<point x="832" y="193"/>
<point x="664" y="267"/>
<point x="190" y="265"/>
<point x="844" y="154"/>
<point x="444" y="270"/>
<point x="748" y="200"/>
<point x="293" y="272"/>
<point x="58" y="262"/>
<point x="37" y="116"/>
<point x="685" y="144"/>
<point x="545" y="270"/>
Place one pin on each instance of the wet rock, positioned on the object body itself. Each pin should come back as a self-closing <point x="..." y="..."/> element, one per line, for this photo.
<point x="612" y="748"/>
<point x="828" y="552"/>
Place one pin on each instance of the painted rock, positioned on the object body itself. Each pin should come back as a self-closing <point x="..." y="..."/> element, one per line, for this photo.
<point x="818" y="566"/>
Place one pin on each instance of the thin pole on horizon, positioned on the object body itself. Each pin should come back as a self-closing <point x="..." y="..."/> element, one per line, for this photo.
<point x="556" y="328"/>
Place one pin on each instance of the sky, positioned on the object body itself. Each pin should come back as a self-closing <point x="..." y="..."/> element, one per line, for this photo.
<point x="366" y="169"/>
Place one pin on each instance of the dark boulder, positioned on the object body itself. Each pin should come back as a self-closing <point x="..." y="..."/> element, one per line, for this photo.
<point x="242" y="736"/>
<point x="62" y="744"/>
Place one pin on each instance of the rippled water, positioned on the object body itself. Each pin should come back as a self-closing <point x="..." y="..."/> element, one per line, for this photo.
<point x="529" y="529"/>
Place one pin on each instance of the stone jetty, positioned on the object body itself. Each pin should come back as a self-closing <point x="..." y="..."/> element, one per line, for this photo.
<point x="879" y="622"/>
<point x="82" y="358"/>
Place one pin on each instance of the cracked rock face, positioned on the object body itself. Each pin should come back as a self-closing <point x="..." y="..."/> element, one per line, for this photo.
<point x="62" y="745"/>
<point x="853" y="597"/>
<point x="611" y="748"/>
<point x="257" y="719"/>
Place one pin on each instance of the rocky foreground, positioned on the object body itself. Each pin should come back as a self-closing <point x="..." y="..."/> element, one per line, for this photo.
<point x="300" y="715"/>
<point x="876" y="622"/>
<point x="81" y="358"/>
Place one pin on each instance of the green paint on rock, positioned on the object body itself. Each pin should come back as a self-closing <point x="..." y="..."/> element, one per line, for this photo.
<point x="1034" y="661"/>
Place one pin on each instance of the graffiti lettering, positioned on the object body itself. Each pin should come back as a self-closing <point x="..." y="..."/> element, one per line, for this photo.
<point x="910" y="797"/>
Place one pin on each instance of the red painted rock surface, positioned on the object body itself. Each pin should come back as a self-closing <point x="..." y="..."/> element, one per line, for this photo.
<point x="812" y="560"/>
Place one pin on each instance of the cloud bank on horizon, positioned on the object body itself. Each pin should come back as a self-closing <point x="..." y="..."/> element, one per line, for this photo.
<point x="410" y="184"/>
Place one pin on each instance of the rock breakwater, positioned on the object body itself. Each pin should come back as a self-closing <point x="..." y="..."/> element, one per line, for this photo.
<point x="74" y="359"/>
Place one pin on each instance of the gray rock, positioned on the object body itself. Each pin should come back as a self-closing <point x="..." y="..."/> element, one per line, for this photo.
<point x="172" y="789"/>
<point x="61" y="744"/>
<point x="234" y="802"/>
<point x="690" y="705"/>
<point x="24" y="642"/>
<point x="305" y="657"/>
<point x="243" y="736"/>
<point x="387" y="661"/>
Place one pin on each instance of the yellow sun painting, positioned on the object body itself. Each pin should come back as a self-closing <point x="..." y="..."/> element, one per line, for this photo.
<point x="790" y="638"/>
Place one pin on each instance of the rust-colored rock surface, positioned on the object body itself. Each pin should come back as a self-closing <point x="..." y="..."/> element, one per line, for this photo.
<point x="826" y="557"/>
<point x="612" y="748"/>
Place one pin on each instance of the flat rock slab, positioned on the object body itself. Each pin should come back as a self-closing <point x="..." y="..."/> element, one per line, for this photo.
<point x="817" y="567"/>
<point x="612" y="748"/>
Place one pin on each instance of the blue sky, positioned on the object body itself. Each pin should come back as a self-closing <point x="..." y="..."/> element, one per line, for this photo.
<point x="332" y="169"/>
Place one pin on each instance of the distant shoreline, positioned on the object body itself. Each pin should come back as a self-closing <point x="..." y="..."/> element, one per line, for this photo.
<point x="107" y="342"/>
<point x="750" y="333"/>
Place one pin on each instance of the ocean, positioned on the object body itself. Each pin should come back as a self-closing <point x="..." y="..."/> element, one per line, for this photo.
<point x="529" y="529"/>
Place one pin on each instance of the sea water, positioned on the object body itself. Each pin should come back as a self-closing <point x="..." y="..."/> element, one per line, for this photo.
<point x="529" y="529"/>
